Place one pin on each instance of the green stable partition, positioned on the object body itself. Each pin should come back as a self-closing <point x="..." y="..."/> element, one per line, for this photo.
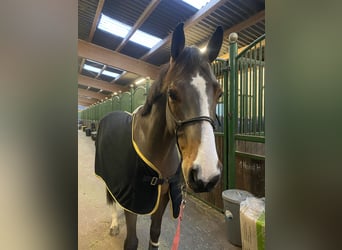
<point x="125" y="102"/>
<point x="139" y="97"/>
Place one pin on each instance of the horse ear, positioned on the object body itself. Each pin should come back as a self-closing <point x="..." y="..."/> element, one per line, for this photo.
<point x="178" y="41"/>
<point x="215" y="43"/>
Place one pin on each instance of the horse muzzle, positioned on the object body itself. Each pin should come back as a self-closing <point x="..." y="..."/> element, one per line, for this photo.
<point x="198" y="185"/>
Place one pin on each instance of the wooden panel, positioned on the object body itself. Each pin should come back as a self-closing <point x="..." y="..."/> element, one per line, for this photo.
<point x="250" y="147"/>
<point x="250" y="175"/>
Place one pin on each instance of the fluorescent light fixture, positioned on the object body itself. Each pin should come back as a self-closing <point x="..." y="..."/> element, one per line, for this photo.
<point x="120" y="29"/>
<point x="197" y="3"/>
<point x="140" y="81"/>
<point x="113" y="26"/>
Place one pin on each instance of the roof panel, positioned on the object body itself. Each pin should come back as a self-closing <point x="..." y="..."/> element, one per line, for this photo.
<point x="86" y="14"/>
<point x="124" y="11"/>
<point x="106" y="39"/>
<point x="166" y="16"/>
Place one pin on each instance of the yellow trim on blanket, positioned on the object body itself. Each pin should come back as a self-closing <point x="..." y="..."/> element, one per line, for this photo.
<point x="150" y="164"/>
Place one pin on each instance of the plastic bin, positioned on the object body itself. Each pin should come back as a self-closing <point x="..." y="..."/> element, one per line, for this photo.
<point x="231" y="202"/>
<point x="88" y="132"/>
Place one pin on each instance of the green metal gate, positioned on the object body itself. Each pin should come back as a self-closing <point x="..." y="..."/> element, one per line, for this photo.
<point x="246" y="130"/>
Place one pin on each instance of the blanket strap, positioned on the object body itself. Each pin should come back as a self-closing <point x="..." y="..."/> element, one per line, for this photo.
<point x="153" y="180"/>
<point x="159" y="181"/>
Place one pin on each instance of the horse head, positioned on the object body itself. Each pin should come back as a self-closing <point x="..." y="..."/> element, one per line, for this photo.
<point x="192" y="94"/>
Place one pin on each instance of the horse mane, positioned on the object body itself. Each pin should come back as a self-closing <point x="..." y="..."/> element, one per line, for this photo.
<point x="185" y="62"/>
<point x="155" y="91"/>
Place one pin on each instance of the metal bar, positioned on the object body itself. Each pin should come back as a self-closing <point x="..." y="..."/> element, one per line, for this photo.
<point x="252" y="138"/>
<point x="249" y="95"/>
<point x="248" y="60"/>
<point x="260" y="68"/>
<point x="254" y="116"/>
<point x="250" y="46"/>
<point x="225" y="127"/>
<point x="245" y="101"/>
<point x="232" y="109"/>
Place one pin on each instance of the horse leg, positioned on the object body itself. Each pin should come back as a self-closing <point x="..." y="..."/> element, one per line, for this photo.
<point x="114" y="227"/>
<point x="131" y="241"/>
<point x="156" y="220"/>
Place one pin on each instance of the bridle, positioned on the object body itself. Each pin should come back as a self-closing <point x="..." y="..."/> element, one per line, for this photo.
<point x="181" y="123"/>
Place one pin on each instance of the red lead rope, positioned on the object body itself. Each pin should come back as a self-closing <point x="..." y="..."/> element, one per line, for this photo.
<point x="177" y="235"/>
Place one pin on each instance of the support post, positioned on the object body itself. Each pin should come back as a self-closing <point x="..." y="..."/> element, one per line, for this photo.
<point x="225" y="124"/>
<point x="233" y="37"/>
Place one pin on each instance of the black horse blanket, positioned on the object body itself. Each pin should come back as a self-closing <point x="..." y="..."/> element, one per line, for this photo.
<point x="133" y="181"/>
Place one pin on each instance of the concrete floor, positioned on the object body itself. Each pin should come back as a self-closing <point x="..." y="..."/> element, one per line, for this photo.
<point x="202" y="227"/>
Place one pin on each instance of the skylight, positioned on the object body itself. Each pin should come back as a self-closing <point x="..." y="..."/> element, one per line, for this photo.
<point x="91" y="68"/>
<point x="120" y="29"/>
<point x="144" y="39"/>
<point x="109" y="73"/>
<point x="197" y="3"/>
<point x="97" y="70"/>
<point x="113" y="26"/>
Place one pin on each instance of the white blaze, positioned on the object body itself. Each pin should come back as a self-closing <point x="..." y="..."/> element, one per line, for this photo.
<point x="206" y="158"/>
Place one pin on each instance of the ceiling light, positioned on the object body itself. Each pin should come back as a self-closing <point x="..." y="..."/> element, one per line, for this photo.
<point x="140" y="81"/>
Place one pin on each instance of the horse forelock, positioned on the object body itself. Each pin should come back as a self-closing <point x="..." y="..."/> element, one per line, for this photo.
<point x="186" y="66"/>
<point x="189" y="62"/>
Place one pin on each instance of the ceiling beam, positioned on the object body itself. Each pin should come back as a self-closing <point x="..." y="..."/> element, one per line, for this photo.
<point x="197" y="17"/>
<point x="80" y="102"/>
<point x="96" y="20"/>
<point x="99" y="84"/>
<point x="116" y="60"/>
<point x="245" y="24"/>
<point x="149" y="9"/>
<point x="240" y="26"/>
<point x="90" y="93"/>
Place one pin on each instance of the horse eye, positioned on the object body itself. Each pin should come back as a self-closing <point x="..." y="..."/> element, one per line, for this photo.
<point x="172" y="94"/>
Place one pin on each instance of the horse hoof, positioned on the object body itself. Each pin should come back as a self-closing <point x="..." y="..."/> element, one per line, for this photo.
<point x="151" y="247"/>
<point x="114" y="231"/>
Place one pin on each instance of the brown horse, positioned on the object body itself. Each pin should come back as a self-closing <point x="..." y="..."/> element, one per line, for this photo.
<point x="140" y="156"/>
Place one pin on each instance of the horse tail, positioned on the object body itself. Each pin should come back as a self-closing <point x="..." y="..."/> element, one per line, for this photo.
<point x="110" y="199"/>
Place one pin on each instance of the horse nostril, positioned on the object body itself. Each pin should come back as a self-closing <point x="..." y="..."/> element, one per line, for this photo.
<point x="198" y="185"/>
<point x="212" y="182"/>
<point x="193" y="175"/>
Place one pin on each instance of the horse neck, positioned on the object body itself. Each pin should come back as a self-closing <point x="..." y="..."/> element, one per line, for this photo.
<point x="155" y="141"/>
